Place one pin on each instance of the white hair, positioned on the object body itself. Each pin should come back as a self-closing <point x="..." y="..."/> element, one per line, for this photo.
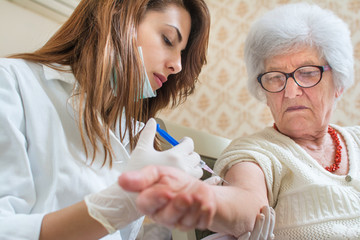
<point x="290" y="27"/>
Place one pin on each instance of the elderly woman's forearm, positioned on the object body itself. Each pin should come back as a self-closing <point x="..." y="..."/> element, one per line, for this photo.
<point x="236" y="210"/>
<point x="240" y="203"/>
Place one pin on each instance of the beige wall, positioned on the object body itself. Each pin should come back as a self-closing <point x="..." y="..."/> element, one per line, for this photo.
<point x="22" y="30"/>
<point x="221" y="103"/>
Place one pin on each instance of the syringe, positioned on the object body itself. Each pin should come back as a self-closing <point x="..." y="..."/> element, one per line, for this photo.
<point x="173" y="142"/>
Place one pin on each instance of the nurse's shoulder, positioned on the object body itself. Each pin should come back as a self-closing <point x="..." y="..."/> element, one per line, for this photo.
<point x="12" y="64"/>
<point x="19" y="71"/>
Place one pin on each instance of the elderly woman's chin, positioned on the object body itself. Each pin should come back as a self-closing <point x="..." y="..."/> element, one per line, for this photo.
<point x="296" y="126"/>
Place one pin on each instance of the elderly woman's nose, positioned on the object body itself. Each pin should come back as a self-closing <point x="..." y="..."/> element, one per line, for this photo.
<point x="292" y="89"/>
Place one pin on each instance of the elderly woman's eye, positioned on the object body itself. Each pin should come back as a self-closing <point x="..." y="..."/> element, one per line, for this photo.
<point x="275" y="78"/>
<point x="308" y="73"/>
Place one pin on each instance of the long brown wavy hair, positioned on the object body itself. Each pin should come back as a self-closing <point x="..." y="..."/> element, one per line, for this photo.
<point x="98" y="41"/>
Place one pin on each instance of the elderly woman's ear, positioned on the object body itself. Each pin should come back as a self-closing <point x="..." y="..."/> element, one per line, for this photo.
<point x="339" y="92"/>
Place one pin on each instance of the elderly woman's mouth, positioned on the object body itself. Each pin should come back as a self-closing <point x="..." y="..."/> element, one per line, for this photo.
<point x="296" y="108"/>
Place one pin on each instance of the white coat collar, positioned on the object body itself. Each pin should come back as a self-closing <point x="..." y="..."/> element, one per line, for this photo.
<point x="121" y="149"/>
<point x="66" y="75"/>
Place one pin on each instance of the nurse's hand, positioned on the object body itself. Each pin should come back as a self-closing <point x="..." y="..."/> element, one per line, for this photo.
<point x="115" y="208"/>
<point x="171" y="197"/>
<point x="182" y="156"/>
<point x="264" y="226"/>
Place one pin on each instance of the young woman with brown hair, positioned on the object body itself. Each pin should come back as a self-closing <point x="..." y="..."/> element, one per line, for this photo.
<point x="71" y="111"/>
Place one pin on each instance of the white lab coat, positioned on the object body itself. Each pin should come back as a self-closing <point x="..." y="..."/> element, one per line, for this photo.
<point x="43" y="167"/>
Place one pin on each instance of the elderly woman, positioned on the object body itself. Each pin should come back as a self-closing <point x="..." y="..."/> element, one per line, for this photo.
<point x="299" y="59"/>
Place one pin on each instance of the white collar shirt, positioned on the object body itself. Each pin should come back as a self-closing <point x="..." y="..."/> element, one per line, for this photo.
<point x="42" y="159"/>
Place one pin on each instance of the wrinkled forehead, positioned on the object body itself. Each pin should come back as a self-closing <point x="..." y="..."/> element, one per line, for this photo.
<point x="296" y="55"/>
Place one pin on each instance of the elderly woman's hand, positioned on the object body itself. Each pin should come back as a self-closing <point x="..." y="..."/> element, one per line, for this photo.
<point x="171" y="197"/>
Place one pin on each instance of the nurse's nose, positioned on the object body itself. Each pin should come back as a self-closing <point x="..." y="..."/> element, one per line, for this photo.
<point x="174" y="63"/>
<point x="292" y="90"/>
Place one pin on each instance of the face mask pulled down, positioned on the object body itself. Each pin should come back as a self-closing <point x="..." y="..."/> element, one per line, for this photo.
<point x="147" y="91"/>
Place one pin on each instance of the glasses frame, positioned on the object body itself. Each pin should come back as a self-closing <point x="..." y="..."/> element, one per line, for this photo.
<point x="288" y="75"/>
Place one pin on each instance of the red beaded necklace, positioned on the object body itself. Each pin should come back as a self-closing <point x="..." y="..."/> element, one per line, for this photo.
<point x="334" y="136"/>
<point x="335" y="166"/>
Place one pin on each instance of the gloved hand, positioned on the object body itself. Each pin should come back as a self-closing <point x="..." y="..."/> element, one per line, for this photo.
<point x="115" y="208"/>
<point x="214" y="180"/>
<point x="182" y="156"/>
<point x="263" y="229"/>
<point x="264" y="226"/>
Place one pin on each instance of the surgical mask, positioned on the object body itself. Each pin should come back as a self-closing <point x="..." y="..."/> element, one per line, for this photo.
<point x="147" y="90"/>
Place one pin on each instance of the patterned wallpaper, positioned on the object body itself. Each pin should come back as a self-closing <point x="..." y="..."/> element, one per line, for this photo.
<point x="221" y="104"/>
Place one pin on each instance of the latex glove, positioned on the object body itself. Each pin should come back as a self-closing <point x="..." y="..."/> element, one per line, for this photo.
<point x="263" y="229"/>
<point x="264" y="226"/>
<point x="214" y="180"/>
<point x="115" y="208"/>
<point x="182" y="156"/>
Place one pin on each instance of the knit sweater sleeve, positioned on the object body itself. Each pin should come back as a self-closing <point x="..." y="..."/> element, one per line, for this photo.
<point x="261" y="148"/>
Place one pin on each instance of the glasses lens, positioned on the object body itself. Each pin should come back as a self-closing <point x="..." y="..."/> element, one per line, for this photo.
<point x="307" y="76"/>
<point x="273" y="81"/>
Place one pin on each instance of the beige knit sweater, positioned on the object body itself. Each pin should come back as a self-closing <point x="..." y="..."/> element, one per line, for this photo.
<point x="310" y="202"/>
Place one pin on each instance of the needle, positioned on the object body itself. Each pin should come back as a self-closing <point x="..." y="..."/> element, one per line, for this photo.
<point x="173" y="142"/>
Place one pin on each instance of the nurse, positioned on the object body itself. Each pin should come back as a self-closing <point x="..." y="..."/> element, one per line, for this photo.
<point x="71" y="112"/>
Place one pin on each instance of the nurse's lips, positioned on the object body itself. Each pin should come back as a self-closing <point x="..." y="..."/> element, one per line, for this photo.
<point x="160" y="79"/>
<point x="295" y="108"/>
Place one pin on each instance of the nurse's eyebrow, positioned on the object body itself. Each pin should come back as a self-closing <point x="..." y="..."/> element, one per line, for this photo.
<point x="177" y="31"/>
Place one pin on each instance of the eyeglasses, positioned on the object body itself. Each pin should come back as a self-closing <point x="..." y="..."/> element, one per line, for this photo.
<point x="306" y="77"/>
